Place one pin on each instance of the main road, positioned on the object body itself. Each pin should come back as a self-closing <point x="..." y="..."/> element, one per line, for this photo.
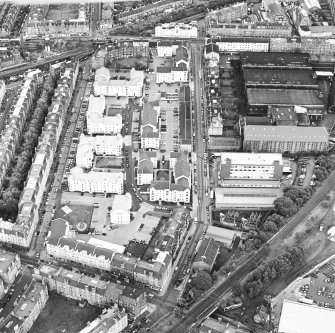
<point x="202" y="309"/>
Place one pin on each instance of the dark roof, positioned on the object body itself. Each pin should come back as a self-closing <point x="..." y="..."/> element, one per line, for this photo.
<point x="164" y="43"/>
<point x="212" y="48"/>
<point x="207" y="252"/>
<point x="275" y="59"/>
<point x="181" y="53"/>
<point x="275" y="77"/>
<point x="306" y="97"/>
<point x="249" y="120"/>
<point x="163" y="69"/>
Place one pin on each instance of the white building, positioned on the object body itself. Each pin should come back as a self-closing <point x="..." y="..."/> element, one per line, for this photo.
<point x="10" y="265"/>
<point x="100" y="145"/>
<point x="145" y="173"/>
<point x="2" y="91"/>
<point x="95" y="182"/>
<point x="121" y="206"/>
<point x="179" y="30"/>
<point x="164" y="191"/>
<point x="171" y="74"/>
<point x="251" y="165"/>
<point x="167" y="48"/>
<point x="150" y="140"/>
<point x="128" y="88"/>
<point x="97" y="121"/>
<point x="304" y="318"/>
<point x="331" y="234"/>
<point x="240" y="44"/>
<point x="110" y="321"/>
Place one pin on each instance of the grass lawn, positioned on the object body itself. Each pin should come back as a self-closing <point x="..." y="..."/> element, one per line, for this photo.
<point x="79" y="218"/>
<point x="63" y="315"/>
<point x="108" y="162"/>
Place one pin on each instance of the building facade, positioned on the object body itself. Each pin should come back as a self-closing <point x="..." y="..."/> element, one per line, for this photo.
<point x="179" y="30"/>
<point x="171" y="74"/>
<point x="241" y="44"/>
<point x="164" y="191"/>
<point x="258" y="138"/>
<point x="99" y="182"/>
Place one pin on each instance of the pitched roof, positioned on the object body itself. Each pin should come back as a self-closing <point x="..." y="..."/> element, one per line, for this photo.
<point x="145" y="166"/>
<point x="181" y="53"/>
<point x="207" y="252"/>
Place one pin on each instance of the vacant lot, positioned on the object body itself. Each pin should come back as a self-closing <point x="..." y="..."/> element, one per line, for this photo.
<point x="63" y="315"/>
<point x="62" y="12"/>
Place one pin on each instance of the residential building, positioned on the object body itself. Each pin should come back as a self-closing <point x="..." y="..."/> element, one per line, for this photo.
<point x="99" y="145"/>
<point x="97" y="121"/>
<point x="281" y="139"/>
<point x="10" y="266"/>
<point x="254" y="30"/>
<point x="150" y="135"/>
<point x="250" y="166"/>
<point x="149" y="156"/>
<point x="39" y="23"/>
<point x="127" y="49"/>
<point x="9" y="19"/>
<point x="19" y="315"/>
<point x="21" y="232"/>
<point x="182" y="170"/>
<point x="155" y="275"/>
<point x="19" y="111"/>
<point x="182" y="57"/>
<point x="165" y="191"/>
<point x="98" y="182"/>
<point x="171" y="74"/>
<point x="319" y="46"/>
<point x="145" y="172"/>
<point x="301" y="318"/>
<point x="167" y="48"/>
<point x="95" y="291"/>
<point x="177" y="30"/>
<point x="211" y="325"/>
<point x="212" y="51"/>
<point x="206" y="255"/>
<point x="133" y="87"/>
<point x="242" y="44"/>
<point x="150" y="140"/>
<point x="149" y="10"/>
<point x="229" y="13"/>
<point x="185" y="121"/>
<point x="110" y="321"/>
<point x="246" y="198"/>
<point x="120" y="212"/>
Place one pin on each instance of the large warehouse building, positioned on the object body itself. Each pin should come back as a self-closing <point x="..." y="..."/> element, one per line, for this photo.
<point x="302" y="318"/>
<point x="246" y="198"/>
<point x="260" y="99"/>
<point x="280" y="78"/>
<point x="250" y="166"/>
<point x="279" y="139"/>
<point x="279" y="60"/>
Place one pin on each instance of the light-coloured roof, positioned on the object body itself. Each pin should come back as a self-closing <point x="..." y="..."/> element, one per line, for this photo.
<point x="6" y="259"/>
<point x="96" y="106"/>
<point x="251" y="158"/>
<point x="304" y="318"/>
<point x="123" y="202"/>
<point x="285" y="133"/>
<point x="222" y="234"/>
<point x="92" y="176"/>
<point x="106" y="245"/>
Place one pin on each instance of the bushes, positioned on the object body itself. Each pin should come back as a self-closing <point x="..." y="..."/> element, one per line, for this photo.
<point x="258" y="280"/>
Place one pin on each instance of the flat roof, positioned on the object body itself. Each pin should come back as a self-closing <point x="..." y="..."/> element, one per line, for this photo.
<point x="251" y="158"/>
<point x="276" y="76"/>
<point x="285" y="133"/>
<point x="251" y="182"/>
<point x="305" y="97"/>
<point x="304" y="318"/>
<point x="274" y="59"/>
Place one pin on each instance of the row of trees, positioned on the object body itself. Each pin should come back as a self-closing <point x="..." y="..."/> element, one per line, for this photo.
<point x="324" y="165"/>
<point x="15" y="181"/>
<point x="260" y="278"/>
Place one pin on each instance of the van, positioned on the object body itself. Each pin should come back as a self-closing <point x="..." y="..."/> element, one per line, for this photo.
<point x="151" y="295"/>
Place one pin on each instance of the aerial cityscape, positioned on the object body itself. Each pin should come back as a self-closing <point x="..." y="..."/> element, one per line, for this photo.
<point x="167" y="166"/>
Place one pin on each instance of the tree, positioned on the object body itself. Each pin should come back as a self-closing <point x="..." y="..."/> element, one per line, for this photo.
<point x="285" y="206"/>
<point x="270" y="226"/>
<point x="202" y="281"/>
<point x="237" y="289"/>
